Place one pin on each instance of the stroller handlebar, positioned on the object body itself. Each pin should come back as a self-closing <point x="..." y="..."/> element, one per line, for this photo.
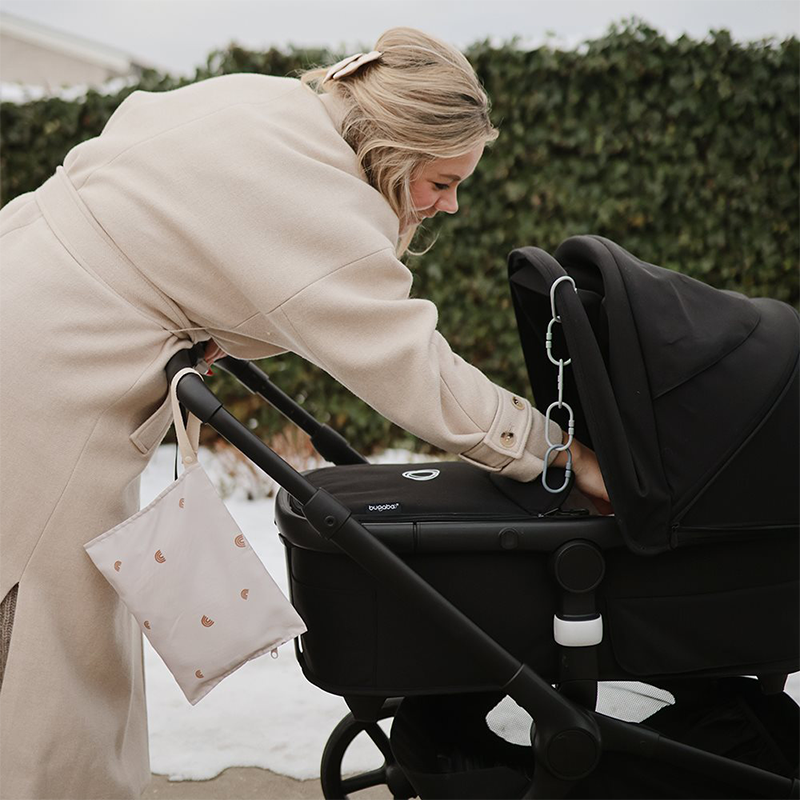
<point x="329" y="443"/>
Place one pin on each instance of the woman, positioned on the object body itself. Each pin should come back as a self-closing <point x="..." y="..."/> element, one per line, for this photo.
<point x="266" y="213"/>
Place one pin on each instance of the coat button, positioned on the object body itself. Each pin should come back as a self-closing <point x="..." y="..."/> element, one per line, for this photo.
<point x="507" y="439"/>
<point x="517" y="402"/>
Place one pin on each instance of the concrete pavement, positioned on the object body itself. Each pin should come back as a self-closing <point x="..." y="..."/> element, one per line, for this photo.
<point x="246" y="783"/>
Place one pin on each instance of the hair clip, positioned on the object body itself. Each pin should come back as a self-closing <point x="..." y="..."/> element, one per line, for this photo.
<point x="347" y="66"/>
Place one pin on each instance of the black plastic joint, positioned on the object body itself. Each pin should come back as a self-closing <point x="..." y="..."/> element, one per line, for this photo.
<point x="325" y="513"/>
<point x="578" y="566"/>
<point x="197" y="397"/>
<point x="573" y="754"/>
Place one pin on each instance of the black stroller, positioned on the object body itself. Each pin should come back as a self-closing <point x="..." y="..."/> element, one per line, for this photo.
<point x="431" y="591"/>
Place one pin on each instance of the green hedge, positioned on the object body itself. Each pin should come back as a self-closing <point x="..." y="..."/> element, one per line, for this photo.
<point x="684" y="152"/>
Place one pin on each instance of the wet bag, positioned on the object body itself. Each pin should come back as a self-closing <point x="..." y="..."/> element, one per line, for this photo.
<point x="186" y="572"/>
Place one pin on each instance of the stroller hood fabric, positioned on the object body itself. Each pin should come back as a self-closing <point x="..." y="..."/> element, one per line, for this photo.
<point x="688" y="394"/>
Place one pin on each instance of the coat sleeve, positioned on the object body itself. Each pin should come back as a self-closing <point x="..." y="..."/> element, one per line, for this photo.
<point x="359" y="325"/>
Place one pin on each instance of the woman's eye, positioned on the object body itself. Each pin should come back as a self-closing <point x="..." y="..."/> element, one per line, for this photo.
<point x="441" y="186"/>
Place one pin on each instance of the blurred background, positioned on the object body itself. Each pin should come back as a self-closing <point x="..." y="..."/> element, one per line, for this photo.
<point x="668" y="127"/>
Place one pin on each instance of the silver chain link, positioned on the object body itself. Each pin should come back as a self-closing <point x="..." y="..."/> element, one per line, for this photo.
<point x="557" y="447"/>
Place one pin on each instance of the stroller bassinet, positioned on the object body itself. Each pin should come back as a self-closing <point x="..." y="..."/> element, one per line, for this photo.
<point x="689" y="397"/>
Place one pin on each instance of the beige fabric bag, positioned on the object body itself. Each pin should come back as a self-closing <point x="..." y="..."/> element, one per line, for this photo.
<point x="187" y="574"/>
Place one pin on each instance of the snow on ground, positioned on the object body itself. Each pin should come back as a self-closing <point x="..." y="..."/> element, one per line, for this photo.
<point x="266" y="714"/>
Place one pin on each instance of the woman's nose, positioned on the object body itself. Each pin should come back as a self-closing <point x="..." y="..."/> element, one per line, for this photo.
<point x="448" y="203"/>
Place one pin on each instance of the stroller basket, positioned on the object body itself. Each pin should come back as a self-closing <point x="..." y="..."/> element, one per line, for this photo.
<point x="435" y="581"/>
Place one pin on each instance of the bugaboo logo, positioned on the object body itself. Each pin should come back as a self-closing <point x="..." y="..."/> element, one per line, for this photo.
<point x="421" y="474"/>
<point x="373" y="507"/>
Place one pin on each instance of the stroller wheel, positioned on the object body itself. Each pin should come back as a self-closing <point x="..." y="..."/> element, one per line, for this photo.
<point x="336" y="787"/>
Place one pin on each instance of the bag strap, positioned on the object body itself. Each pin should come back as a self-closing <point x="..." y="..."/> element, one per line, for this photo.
<point x="189" y="436"/>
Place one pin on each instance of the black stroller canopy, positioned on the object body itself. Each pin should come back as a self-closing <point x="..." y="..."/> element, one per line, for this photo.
<point x="688" y="394"/>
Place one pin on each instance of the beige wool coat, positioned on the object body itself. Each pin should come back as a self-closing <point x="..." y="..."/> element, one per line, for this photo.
<point x="232" y="209"/>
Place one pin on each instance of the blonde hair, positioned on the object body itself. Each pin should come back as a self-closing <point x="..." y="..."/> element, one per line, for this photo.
<point x="420" y="101"/>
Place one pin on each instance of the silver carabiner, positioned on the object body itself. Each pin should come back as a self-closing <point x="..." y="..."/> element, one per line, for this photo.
<point x="553" y="294"/>
<point x="560" y="363"/>
<point x="548" y="343"/>
<point x="570" y="427"/>
<point x="567" y="472"/>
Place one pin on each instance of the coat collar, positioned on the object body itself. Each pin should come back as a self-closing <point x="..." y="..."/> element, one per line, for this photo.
<point x="335" y="109"/>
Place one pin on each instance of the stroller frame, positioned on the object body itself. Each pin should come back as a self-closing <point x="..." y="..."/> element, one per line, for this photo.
<point x="569" y="735"/>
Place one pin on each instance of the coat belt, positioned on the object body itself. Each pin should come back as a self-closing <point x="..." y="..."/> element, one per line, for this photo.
<point x="81" y="234"/>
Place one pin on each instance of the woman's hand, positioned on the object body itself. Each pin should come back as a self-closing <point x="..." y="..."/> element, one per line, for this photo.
<point x="588" y="477"/>
<point x="212" y="352"/>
